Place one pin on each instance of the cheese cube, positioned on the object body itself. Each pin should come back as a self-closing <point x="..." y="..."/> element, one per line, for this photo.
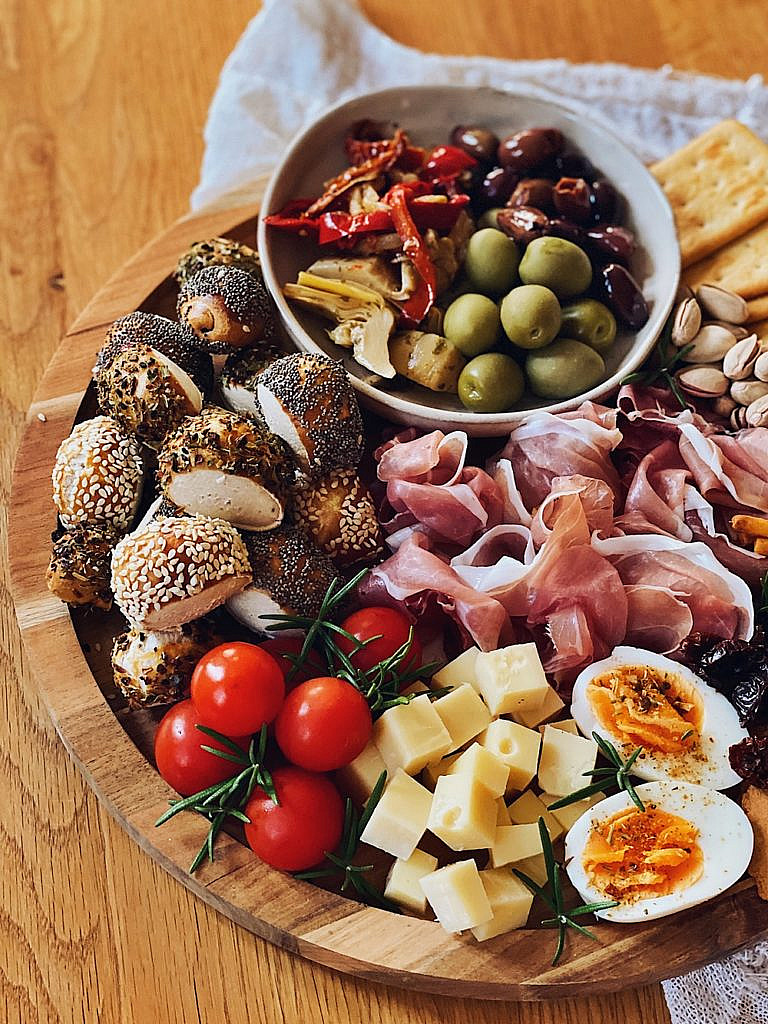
<point x="457" y="896"/>
<point x="566" y="724"/>
<point x="550" y="706"/>
<point x="463" y="714"/>
<point x="515" y="842"/>
<point x="419" y="686"/>
<point x="511" y="679"/>
<point x="564" y="760"/>
<point x="358" y="778"/>
<point x="399" y="819"/>
<point x="403" y="881"/>
<point x="529" y="808"/>
<point x="502" y="814"/>
<point x="534" y="867"/>
<point x="488" y="769"/>
<point x="410" y="736"/>
<point x="572" y="812"/>
<point x="510" y="903"/>
<point x="433" y="771"/>
<point x="516" y="746"/>
<point x="459" y="671"/>
<point x="463" y="813"/>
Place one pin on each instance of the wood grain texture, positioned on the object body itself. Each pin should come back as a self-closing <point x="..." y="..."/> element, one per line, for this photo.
<point x="410" y="953"/>
<point x="103" y="106"/>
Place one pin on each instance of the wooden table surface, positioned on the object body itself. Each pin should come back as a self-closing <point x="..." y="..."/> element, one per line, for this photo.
<point x="103" y="108"/>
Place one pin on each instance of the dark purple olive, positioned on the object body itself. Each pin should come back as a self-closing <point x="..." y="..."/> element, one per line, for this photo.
<point x="478" y="142"/>
<point x="622" y="294"/>
<point x="615" y="242"/>
<point x="573" y="165"/>
<point x="496" y="187"/>
<point x="530" y="148"/>
<point x="523" y="223"/>
<point x="573" y="199"/>
<point x="561" y="228"/>
<point x="535" y="192"/>
<point x="605" y="201"/>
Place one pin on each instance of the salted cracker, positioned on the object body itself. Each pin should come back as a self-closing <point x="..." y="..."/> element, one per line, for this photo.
<point x="717" y="186"/>
<point x="755" y="806"/>
<point x="741" y="265"/>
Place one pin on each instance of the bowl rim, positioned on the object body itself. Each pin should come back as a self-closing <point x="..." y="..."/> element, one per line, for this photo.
<point x="460" y="418"/>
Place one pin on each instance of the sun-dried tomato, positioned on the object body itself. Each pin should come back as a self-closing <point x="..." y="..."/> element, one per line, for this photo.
<point x="749" y="759"/>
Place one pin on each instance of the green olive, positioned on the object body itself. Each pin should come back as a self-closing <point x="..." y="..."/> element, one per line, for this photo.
<point x="589" y="321"/>
<point x="491" y="261"/>
<point x="472" y="324"/>
<point x="563" y="369"/>
<point x="491" y="383"/>
<point x="558" y="264"/>
<point x="530" y="316"/>
<point x="488" y="219"/>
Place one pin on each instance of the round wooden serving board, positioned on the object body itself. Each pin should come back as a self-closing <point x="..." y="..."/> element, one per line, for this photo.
<point x="110" y="745"/>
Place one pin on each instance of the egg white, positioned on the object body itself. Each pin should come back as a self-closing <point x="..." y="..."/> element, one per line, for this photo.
<point x="725" y="838"/>
<point x="720" y="729"/>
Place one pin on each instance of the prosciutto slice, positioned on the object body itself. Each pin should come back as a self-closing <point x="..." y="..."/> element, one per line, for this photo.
<point x="729" y="470"/>
<point x="655" y="501"/>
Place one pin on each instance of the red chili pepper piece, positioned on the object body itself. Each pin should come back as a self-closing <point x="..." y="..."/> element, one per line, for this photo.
<point x="446" y="163"/>
<point x="382" y="161"/>
<point x="416" y="308"/>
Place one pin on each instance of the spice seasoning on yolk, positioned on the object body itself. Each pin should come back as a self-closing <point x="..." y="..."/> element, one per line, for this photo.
<point x="647" y="707"/>
<point x="637" y="855"/>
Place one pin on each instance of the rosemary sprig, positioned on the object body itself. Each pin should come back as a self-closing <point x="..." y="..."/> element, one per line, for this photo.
<point x="617" y="774"/>
<point x="341" y="861"/>
<point x="228" y="798"/>
<point x="669" y="358"/>
<point x="552" y="894"/>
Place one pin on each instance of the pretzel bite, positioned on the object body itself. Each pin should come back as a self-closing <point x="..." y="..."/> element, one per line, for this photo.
<point x="226" y="309"/>
<point x="177" y="569"/>
<point x="290" y="576"/>
<point x="165" y="336"/>
<point x="337" y="512"/>
<point x="216" y="252"/>
<point x="308" y="400"/>
<point x="78" y="572"/>
<point x="222" y="464"/>
<point x="98" y="476"/>
<point x="239" y="376"/>
<point x="155" y="667"/>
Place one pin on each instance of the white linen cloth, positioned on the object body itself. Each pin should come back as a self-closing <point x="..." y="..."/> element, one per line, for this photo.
<point x="299" y="56"/>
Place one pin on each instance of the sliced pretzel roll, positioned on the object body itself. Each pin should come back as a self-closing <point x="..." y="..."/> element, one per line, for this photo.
<point x="78" y="572"/>
<point x="98" y="476"/>
<point x="239" y="376"/>
<point x="290" y="577"/>
<point x="155" y="667"/>
<point x="222" y="464"/>
<point x="308" y="400"/>
<point x="178" y="569"/>
<point x="226" y="309"/>
<point x="337" y="512"/>
<point x="216" y="252"/>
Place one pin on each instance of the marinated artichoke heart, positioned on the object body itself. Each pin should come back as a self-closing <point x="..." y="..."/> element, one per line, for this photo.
<point x="427" y="359"/>
<point x="364" y="318"/>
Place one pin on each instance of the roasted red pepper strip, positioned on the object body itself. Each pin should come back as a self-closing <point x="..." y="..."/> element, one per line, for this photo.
<point x="426" y="213"/>
<point x="445" y="164"/>
<point x="416" y="308"/>
<point x="370" y="168"/>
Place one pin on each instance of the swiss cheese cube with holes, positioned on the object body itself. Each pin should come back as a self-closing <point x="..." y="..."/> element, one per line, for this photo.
<point x="457" y="896"/>
<point x="565" y="761"/>
<point x="511" y="679"/>
<point x="463" y="813"/>
<point x="510" y="902"/>
<point x="403" y="881"/>
<point x="410" y="736"/>
<point x="484" y="766"/>
<point x="516" y="746"/>
<point x="399" y="819"/>
<point x="459" y="671"/>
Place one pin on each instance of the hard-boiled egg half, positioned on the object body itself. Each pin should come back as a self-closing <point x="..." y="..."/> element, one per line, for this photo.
<point x="689" y="844"/>
<point x="639" y="699"/>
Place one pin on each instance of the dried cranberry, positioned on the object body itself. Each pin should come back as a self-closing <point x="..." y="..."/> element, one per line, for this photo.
<point x="749" y="759"/>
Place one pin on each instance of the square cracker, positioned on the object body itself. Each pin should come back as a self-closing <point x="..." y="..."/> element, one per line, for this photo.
<point x="741" y="265"/>
<point x="755" y="806"/>
<point x="717" y="187"/>
<point x="757" y="309"/>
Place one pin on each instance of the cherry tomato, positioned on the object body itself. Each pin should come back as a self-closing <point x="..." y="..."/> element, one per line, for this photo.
<point x="323" y="724"/>
<point x="307" y="823"/>
<point x="237" y="688"/>
<point x="179" y="754"/>
<point x="392" y="628"/>
<point x="280" y="645"/>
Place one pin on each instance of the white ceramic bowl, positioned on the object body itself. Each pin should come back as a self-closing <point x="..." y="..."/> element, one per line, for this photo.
<point x="428" y="114"/>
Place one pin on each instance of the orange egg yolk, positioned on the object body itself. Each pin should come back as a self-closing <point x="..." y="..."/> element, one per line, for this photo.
<point x="641" y="854"/>
<point x="647" y="707"/>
